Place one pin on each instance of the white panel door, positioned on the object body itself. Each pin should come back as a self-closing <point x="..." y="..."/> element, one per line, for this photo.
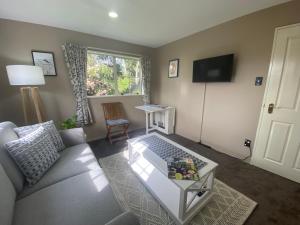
<point x="277" y="145"/>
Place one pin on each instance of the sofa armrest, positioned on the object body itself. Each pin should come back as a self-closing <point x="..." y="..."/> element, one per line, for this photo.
<point x="126" y="218"/>
<point x="73" y="136"/>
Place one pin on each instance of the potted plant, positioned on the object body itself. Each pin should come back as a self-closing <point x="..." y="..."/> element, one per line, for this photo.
<point x="69" y="123"/>
<point x="70" y="130"/>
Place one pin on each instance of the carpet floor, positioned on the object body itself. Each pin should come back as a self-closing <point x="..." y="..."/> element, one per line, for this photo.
<point x="278" y="198"/>
<point x="226" y="207"/>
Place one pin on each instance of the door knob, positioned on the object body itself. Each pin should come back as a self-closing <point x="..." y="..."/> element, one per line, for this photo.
<point x="270" y="108"/>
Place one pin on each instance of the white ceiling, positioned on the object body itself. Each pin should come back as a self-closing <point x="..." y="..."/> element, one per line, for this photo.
<point x="151" y="23"/>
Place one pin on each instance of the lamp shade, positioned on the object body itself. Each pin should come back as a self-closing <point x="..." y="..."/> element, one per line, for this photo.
<point x="25" y="75"/>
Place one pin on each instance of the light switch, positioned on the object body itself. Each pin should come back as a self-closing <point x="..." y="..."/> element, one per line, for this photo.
<point x="258" y="81"/>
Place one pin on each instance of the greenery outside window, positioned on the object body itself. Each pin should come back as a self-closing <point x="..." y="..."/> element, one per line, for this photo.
<point x="111" y="74"/>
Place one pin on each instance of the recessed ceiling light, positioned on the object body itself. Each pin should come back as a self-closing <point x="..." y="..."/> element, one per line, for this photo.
<point x="113" y="14"/>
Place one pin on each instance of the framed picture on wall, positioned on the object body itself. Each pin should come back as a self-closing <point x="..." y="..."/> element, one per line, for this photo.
<point x="173" y="68"/>
<point x="44" y="60"/>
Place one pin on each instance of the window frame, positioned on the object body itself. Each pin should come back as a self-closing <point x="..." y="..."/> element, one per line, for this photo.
<point x="115" y="75"/>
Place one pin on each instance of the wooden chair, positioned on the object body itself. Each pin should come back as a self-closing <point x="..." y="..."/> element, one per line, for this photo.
<point x="115" y="117"/>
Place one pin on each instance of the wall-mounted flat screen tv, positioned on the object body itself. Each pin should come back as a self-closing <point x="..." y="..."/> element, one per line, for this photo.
<point x="216" y="69"/>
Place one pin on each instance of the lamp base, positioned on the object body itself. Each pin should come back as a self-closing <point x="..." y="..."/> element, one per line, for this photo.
<point x="33" y="108"/>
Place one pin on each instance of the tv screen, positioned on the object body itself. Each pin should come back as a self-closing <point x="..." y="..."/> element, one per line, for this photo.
<point x="216" y="69"/>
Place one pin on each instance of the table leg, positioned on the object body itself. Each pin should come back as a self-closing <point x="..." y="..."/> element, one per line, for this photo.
<point x="151" y="119"/>
<point x="182" y="204"/>
<point x="130" y="153"/>
<point x="147" y="123"/>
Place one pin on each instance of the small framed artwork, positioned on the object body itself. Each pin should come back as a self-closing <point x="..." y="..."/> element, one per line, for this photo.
<point x="44" y="60"/>
<point x="173" y="68"/>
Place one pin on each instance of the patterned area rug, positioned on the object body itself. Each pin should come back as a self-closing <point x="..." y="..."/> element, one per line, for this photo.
<point x="226" y="207"/>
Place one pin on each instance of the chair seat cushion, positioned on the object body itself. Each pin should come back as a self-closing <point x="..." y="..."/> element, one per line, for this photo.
<point x="73" y="161"/>
<point x="85" y="199"/>
<point x="117" y="122"/>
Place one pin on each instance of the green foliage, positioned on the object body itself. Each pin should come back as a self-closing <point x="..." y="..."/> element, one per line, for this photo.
<point x="69" y="123"/>
<point x="123" y="84"/>
<point x="100" y="75"/>
<point x="100" y="80"/>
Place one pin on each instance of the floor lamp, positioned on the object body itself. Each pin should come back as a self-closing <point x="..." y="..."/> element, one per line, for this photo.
<point x="28" y="77"/>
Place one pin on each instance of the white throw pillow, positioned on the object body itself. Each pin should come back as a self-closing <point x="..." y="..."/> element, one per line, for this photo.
<point x="49" y="126"/>
<point x="34" y="154"/>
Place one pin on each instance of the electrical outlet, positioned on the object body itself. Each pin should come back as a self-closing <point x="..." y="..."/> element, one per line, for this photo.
<point x="247" y="143"/>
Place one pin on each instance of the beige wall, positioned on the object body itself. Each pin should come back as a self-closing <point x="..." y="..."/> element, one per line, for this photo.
<point x="231" y="109"/>
<point x="17" y="39"/>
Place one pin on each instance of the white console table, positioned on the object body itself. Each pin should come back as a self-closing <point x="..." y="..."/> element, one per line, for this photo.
<point x="161" y="118"/>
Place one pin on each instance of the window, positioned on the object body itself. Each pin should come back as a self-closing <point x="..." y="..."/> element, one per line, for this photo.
<point x="110" y="74"/>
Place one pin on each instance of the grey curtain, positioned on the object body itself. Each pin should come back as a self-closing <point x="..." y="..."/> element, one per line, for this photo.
<point x="146" y="78"/>
<point x="76" y="59"/>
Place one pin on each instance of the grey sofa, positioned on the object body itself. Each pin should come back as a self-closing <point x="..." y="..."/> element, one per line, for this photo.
<point x="74" y="191"/>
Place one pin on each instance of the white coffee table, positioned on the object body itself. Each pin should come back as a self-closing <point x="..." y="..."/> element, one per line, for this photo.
<point x="178" y="197"/>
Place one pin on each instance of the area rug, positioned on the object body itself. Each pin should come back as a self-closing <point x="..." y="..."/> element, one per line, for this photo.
<point x="226" y="207"/>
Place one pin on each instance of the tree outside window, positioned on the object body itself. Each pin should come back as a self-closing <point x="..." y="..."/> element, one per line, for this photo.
<point x="109" y="74"/>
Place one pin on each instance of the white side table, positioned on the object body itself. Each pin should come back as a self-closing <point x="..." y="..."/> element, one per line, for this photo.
<point x="161" y="118"/>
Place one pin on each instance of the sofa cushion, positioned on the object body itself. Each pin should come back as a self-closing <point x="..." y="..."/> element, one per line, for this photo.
<point x="49" y="126"/>
<point x="7" y="198"/>
<point x="13" y="172"/>
<point x="73" y="161"/>
<point x="85" y="199"/>
<point x="73" y="136"/>
<point x="34" y="154"/>
<point x="126" y="218"/>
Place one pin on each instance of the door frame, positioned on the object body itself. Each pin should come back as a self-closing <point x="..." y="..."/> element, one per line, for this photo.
<point x="252" y="160"/>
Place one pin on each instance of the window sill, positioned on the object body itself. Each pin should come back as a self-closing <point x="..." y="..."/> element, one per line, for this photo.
<point x="112" y="96"/>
